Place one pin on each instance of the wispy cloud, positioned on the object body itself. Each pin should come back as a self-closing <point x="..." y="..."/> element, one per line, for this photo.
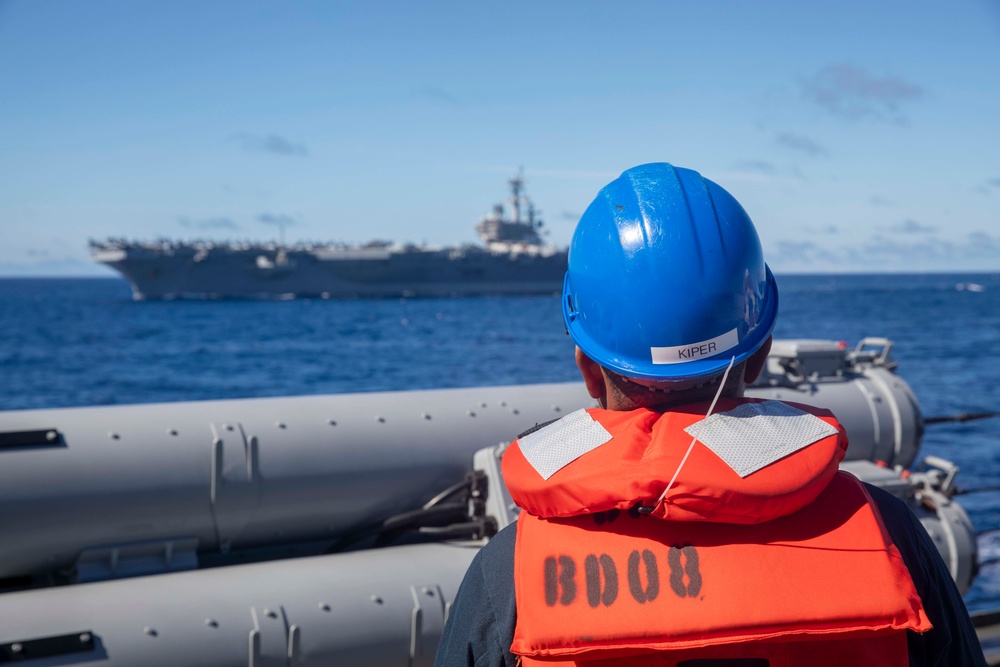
<point x="826" y="229"/>
<point x="278" y="220"/>
<point x="45" y="264"/>
<point x="911" y="226"/>
<point x="758" y="166"/>
<point x="208" y="223"/>
<point x="989" y="186"/>
<point x="570" y="215"/>
<point x="438" y="96"/>
<point x="801" y="144"/>
<point x="530" y="173"/>
<point x="804" y="253"/>
<point x="571" y="174"/>
<point x="878" y="200"/>
<point x="886" y="252"/>
<point x="272" y="143"/>
<point x="849" y="92"/>
<point x="747" y="174"/>
<point x="982" y="244"/>
<point x="882" y="248"/>
<point x="756" y="170"/>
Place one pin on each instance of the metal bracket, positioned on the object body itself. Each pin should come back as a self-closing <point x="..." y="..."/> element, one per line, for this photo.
<point x="939" y="475"/>
<point x="498" y="506"/>
<point x="46" y="437"/>
<point x="874" y="351"/>
<point x="46" y="647"/>
<point x="235" y="481"/>
<point x="426" y="624"/>
<point x="270" y="644"/>
<point x="137" y="559"/>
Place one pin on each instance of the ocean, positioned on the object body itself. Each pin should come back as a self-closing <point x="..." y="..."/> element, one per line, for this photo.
<point x="79" y="342"/>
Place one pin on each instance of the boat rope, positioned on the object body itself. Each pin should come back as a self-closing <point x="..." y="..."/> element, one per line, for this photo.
<point x="961" y="417"/>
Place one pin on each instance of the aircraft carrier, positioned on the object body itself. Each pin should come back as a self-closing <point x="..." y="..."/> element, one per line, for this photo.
<point x="513" y="259"/>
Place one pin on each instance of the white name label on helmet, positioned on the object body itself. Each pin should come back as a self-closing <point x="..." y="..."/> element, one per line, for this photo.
<point x="680" y="354"/>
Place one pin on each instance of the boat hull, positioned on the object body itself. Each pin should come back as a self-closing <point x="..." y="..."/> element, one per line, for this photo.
<point x="336" y="274"/>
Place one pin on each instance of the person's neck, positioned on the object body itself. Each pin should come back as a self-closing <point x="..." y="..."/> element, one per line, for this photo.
<point x="615" y="400"/>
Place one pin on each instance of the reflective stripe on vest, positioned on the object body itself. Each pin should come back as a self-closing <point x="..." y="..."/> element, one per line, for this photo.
<point x="823" y="585"/>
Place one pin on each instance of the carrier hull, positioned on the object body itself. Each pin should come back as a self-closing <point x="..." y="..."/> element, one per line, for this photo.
<point x="186" y="273"/>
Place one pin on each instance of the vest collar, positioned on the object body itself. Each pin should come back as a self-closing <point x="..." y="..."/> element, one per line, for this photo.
<point x="642" y="453"/>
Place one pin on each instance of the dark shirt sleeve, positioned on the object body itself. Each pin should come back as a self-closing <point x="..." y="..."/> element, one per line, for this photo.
<point x="953" y="641"/>
<point x="480" y="624"/>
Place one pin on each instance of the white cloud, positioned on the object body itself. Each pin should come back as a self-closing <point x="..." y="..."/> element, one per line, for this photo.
<point x="849" y="92"/>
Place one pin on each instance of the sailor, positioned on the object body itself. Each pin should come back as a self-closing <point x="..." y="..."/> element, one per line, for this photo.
<point x="681" y="524"/>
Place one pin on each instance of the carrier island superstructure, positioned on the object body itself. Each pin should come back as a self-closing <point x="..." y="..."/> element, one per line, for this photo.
<point x="513" y="259"/>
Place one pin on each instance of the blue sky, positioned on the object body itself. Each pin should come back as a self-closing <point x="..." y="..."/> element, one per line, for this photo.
<point x="859" y="136"/>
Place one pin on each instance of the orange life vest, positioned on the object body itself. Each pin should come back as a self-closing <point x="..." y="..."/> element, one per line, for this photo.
<point x="790" y="565"/>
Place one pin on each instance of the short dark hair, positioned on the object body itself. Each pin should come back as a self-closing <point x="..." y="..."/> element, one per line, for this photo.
<point x="641" y="395"/>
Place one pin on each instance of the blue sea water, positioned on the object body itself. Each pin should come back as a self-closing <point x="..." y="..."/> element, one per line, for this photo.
<point x="76" y="342"/>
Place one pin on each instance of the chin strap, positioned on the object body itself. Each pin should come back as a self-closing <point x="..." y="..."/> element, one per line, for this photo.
<point x="711" y="408"/>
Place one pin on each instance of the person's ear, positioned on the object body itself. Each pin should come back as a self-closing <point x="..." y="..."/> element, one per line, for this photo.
<point x="592" y="375"/>
<point x="756" y="361"/>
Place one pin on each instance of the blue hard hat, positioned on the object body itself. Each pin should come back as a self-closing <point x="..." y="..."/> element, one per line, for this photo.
<point x="666" y="279"/>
